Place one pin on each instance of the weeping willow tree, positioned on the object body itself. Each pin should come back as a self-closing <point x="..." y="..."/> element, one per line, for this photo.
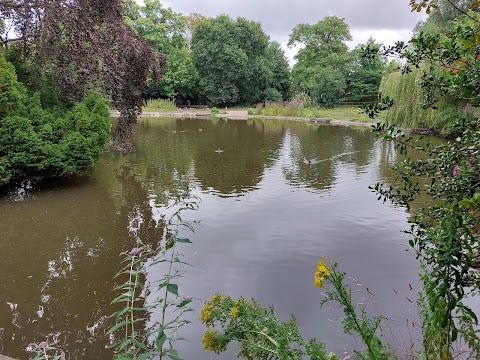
<point x="408" y="94"/>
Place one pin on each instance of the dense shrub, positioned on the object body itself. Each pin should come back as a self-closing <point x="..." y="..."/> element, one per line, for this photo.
<point x="329" y="87"/>
<point x="11" y="91"/>
<point x="272" y="94"/>
<point x="42" y="140"/>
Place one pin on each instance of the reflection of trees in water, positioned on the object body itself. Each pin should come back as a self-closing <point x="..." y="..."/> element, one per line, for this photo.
<point x="229" y="157"/>
<point x="315" y="151"/>
<point x="164" y="158"/>
<point x="389" y="157"/>
<point x="243" y="153"/>
<point x="66" y="254"/>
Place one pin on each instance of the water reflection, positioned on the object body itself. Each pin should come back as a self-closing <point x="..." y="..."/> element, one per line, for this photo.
<point x="316" y="150"/>
<point x="275" y="197"/>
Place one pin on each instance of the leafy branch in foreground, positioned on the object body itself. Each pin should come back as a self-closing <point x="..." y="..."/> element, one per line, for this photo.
<point x="133" y="339"/>
<point x="258" y="331"/>
<point x="262" y="336"/>
<point x="444" y="233"/>
<point x="444" y="187"/>
<point x="354" y="322"/>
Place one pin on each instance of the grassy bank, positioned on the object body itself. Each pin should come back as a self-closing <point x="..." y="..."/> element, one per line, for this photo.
<point x="294" y="109"/>
<point x="160" y="105"/>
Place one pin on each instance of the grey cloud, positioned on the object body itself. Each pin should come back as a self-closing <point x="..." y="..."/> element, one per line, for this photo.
<point x="279" y="17"/>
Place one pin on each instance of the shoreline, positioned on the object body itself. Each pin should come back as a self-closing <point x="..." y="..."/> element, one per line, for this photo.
<point x="243" y="115"/>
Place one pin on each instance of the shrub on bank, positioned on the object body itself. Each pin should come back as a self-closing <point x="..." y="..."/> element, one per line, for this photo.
<point x="38" y="140"/>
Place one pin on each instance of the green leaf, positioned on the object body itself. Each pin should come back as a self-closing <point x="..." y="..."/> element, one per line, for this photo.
<point x="172" y="288"/>
<point x="454" y="334"/>
<point x="183" y="303"/>
<point x="160" y="341"/>
<point x="471" y="314"/>
<point x="169" y="245"/>
<point x="145" y="356"/>
<point x="140" y="345"/>
<point x="184" y="241"/>
<point x="173" y="354"/>
<point x="117" y="326"/>
<point x="124" y="344"/>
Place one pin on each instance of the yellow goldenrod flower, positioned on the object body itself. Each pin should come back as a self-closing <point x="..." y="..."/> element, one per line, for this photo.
<point x="208" y="340"/>
<point x="321" y="273"/>
<point x="206" y="313"/>
<point x="212" y="342"/>
<point x="235" y="312"/>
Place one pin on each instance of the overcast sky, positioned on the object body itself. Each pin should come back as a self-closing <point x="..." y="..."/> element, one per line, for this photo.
<point x="386" y="20"/>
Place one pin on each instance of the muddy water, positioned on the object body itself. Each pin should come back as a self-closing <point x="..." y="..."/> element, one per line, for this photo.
<point x="276" y="196"/>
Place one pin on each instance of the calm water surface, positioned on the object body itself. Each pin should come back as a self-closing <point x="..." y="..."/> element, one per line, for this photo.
<point x="267" y="216"/>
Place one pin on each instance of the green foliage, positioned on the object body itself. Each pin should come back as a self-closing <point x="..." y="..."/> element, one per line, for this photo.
<point x="444" y="232"/>
<point x="165" y="30"/>
<point x="44" y="351"/>
<point x="409" y="109"/>
<point x="261" y="335"/>
<point x="327" y="71"/>
<point x="12" y="92"/>
<point x="257" y="330"/>
<point x="284" y="109"/>
<point x="160" y="105"/>
<point x="295" y="108"/>
<point x="442" y="17"/>
<point x="278" y="63"/>
<point x="303" y="98"/>
<point x="214" y="110"/>
<point x="366" y="73"/>
<point x="235" y="61"/>
<point x="39" y="137"/>
<point x="132" y="339"/>
<point x="329" y="87"/>
<point x="355" y="321"/>
<point x="23" y="67"/>
<point x="272" y="94"/>
<point x="454" y="122"/>
<point x="445" y="184"/>
<point x="324" y="47"/>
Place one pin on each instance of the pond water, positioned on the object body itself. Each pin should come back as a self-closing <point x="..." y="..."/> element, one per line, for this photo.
<point x="275" y="197"/>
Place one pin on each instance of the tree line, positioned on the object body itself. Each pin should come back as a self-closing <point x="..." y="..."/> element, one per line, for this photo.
<point x="225" y="61"/>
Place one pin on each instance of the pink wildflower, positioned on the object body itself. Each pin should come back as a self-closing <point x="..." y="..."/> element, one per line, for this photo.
<point x="455" y="170"/>
<point x="43" y="345"/>
<point x="134" y="251"/>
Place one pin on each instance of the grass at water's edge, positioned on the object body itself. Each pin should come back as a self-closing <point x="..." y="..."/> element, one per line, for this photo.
<point x="345" y="113"/>
<point x="160" y="105"/>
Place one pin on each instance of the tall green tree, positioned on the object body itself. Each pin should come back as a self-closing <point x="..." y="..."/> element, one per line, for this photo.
<point x="234" y="61"/>
<point x="323" y="48"/>
<point x="365" y="75"/>
<point x="166" y="31"/>
<point x="278" y="63"/>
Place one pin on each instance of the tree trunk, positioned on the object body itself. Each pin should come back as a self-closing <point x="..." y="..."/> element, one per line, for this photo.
<point x="122" y="135"/>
